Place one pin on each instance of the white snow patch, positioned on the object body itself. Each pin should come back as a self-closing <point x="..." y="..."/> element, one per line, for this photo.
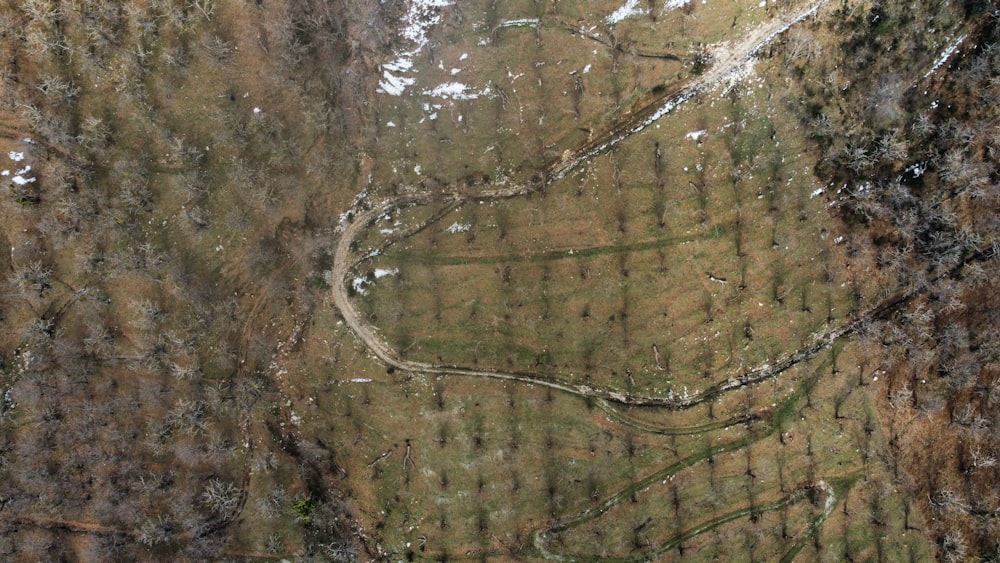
<point x="586" y="69"/>
<point x="945" y="55"/>
<point x="394" y="85"/>
<point x="399" y="65"/>
<point x="361" y="380"/>
<point x="19" y="178"/>
<point x="523" y="22"/>
<point x="455" y="71"/>
<point x="359" y="286"/>
<point x="390" y="124"/>
<point x="455" y="91"/>
<point x="816" y="192"/>
<point x="420" y="16"/>
<point x="417" y="169"/>
<point x="5" y="173"/>
<point x="695" y="135"/>
<point x="458" y="227"/>
<point x="463" y="57"/>
<point x="628" y="9"/>
<point x="344" y="216"/>
<point x="16" y="156"/>
<point x="674" y="4"/>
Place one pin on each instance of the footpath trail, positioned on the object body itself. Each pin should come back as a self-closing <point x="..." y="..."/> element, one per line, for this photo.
<point x="729" y="60"/>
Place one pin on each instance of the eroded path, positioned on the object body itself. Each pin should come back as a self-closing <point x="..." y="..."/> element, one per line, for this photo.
<point x="730" y="60"/>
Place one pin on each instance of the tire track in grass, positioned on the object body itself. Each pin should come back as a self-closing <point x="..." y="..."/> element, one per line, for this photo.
<point x="787" y="408"/>
<point x="616" y="415"/>
<point x="405" y="256"/>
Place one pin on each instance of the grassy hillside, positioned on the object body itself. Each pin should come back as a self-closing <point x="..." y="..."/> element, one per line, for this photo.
<point x="497" y="280"/>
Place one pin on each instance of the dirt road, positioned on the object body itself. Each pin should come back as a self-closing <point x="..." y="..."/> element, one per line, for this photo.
<point x="729" y="59"/>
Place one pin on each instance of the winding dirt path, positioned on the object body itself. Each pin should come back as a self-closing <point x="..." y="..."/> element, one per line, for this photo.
<point x="729" y="59"/>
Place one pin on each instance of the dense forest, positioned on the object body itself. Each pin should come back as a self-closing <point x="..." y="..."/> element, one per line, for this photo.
<point x="914" y="161"/>
<point x="148" y="207"/>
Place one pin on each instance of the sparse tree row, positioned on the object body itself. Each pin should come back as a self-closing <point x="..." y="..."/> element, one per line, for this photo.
<point x="148" y="251"/>
<point x="918" y="173"/>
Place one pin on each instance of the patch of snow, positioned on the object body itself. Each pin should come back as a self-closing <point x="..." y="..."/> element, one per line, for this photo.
<point x="674" y="4"/>
<point x="432" y="116"/>
<point x="816" y="192"/>
<point x="256" y="110"/>
<point x="458" y="227"/>
<point x="361" y="380"/>
<point x="463" y="57"/>
<point x="945" y="55"/>
<point x="917" y="169"/>
<point x="16" y="156"/>
<point x="346" y="214"/>
<point x="523" y="22"/>
<point x="455" y="91"/>
<point x="420" y="16"/>
<point x="695" y="135"/>
<point x="417" y="169"/>
<point x="358" y="284"/>
<point x="586" y="69"/>
<point x="19" y="177"/>
<point x="390" y="124"/>
<point x="628" y="9"/>
<point x="399" y="65"/>
<point x="5" y="173"/>
<point x="394" y="85"/>
<point x="455" y="71"/>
